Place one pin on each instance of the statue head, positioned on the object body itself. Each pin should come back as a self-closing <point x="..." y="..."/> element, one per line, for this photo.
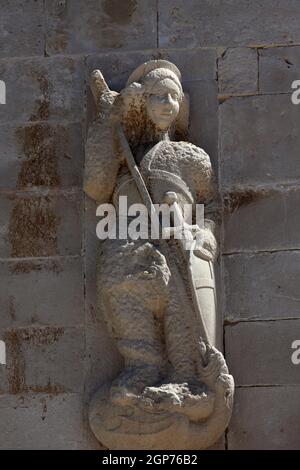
<point x="153" y="102"/>
<point x="163" y="94"/>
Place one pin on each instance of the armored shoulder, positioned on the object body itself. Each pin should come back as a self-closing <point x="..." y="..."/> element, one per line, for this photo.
<point x="189" y="162"/>
<point x="195" y="168"/>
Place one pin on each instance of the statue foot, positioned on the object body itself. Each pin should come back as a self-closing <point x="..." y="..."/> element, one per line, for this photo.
<point x="196" y="404"/>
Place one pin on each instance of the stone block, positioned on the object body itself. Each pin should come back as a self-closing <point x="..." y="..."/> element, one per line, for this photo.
<point x="190" y="23"/>
<point x="262" y="220"/>
<point x="117" y="66"/>
<point x="278" y="68"/>
<point x="265" y="418"/>
<point x="262" y="286"/>
<point x="196" y="64"/>
<point x="22" y="28"/>
<point x="35" y="225"/>
<point x="41" y="154"/>
<point x="42" y="89"/>
<point x="259" y="140"/>
<point x="89" y="26"/>
<point x="238" y="71"/>
<point x="58" y="287"/>
<point x="92" y="247"/>
<point x="103" y="359"/>
<point x="43" y="360"/>
<point x="203" y="130"/>
<point x="40" y="422"/>
<point x="103" y="362"/>
<point x="259" y="353"/>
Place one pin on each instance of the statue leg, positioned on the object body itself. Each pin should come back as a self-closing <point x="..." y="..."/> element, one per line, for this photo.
<point x="138" y="336"/>
<point x="134" y="301"/>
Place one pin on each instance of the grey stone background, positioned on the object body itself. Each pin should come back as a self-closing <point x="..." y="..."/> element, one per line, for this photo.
<point x="238" y="59"/>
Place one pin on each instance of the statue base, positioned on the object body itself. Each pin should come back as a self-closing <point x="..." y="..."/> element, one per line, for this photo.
<point x="168" y="417"/>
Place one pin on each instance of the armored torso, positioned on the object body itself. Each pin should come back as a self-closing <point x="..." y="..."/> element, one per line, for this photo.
<point x="171" y="166"/>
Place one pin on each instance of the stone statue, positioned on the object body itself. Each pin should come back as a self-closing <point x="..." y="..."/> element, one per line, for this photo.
<point x="158" y="297"/>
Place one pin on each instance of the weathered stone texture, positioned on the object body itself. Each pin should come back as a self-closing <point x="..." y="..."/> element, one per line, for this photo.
<point x="42" y="89"/>
<point x="43" y="360"/>
<point x="259" y="140"/>
<point x="199" y="80"/>
<point x="21" y="28"/>
<point x="259" y="353"/>
<point x="238" y="71"/>
<point x="142" y="340"/>
<point x="262" y="286"/>
<point x="41" y="421"/>
<point x="190" y="23"/>
<point x="41" y="154"/>
<point x="117" y="66"/>
<point x="197" y="64"/>
<point x="278" y="68"/>
<point x="57" y="292"/>
<point x="261" y="220"/>
<point x="87" y="26"/>
<point x="57" y="343"/>
<point x="100" y="367"/>
<point x="203" y="130"/>
<point x="97" y="337"/>
<point x="220" y="445"/>
<point x="194" y="64"/>
<point x="265" y="418"/>
<point x="40" y="225"/>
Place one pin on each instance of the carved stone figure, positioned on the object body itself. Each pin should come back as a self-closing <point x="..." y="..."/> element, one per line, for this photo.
<point x="158" y="297"/>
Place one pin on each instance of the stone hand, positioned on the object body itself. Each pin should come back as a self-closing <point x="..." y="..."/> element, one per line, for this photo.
<point x="206" y="245"/>
<point x="98" y="86"/>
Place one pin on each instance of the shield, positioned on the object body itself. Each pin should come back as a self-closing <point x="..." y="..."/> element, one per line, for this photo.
<point x="203" y="284"/>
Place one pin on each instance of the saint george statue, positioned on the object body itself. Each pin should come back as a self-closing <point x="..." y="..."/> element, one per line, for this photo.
<point x="158" y="296"/>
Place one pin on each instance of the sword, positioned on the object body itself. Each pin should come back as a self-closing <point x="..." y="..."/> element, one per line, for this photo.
<point x="196" y="323"/>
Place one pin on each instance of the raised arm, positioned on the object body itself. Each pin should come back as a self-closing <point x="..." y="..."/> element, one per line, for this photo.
<point x="101" y="165"/>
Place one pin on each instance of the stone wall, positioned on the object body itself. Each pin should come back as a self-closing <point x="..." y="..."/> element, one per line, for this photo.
<point x="238" y="59"/>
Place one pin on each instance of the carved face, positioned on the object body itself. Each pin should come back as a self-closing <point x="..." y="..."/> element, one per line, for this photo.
<point x="163" y="102"/>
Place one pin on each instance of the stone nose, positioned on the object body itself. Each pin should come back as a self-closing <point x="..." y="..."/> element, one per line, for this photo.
<point x="167" y="99"/>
